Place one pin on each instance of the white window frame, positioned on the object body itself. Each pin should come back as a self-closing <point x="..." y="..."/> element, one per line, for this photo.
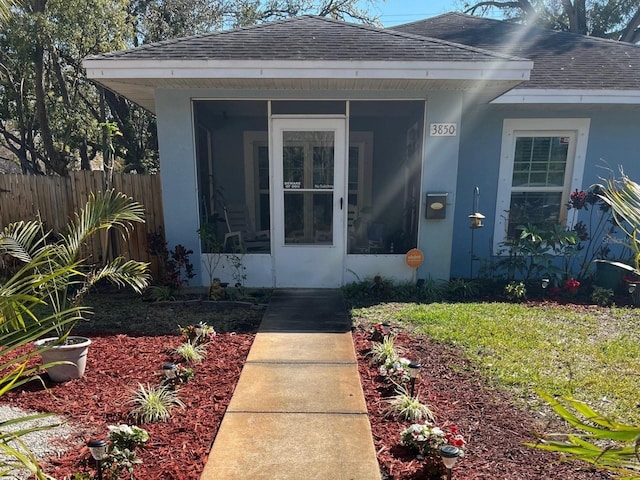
<point x="577" y="128"/>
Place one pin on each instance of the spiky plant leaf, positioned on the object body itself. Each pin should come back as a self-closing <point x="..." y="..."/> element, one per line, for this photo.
<point x="154" y="404"/>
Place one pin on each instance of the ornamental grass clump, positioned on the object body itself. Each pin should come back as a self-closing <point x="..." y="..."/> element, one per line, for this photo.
<point x="191" y="352"/>
<point x="154" y="404"/>
<point x="381" y="352"/>
<point x="404" y="406"/>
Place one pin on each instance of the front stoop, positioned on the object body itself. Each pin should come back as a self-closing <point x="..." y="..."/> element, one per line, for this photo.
<point x="298" y="411"/>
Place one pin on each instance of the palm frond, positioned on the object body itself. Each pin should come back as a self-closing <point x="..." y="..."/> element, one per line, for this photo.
<point x="621" y="454"/>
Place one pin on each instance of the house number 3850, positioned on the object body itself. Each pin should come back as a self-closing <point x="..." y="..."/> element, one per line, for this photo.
<point x="443" y="130"/>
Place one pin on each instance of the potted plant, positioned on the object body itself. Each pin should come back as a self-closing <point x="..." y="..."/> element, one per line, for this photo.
<point x="66" y="277"/>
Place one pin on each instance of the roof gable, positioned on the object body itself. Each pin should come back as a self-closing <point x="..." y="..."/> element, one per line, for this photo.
<point x="562" y="60"/>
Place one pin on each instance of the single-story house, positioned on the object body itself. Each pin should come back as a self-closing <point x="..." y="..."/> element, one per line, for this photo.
<point x="333" y="148"/>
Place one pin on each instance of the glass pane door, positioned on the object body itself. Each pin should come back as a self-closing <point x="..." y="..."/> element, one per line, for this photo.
<point x="308" y="172"/>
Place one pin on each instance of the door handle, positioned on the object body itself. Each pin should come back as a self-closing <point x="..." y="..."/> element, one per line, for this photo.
<point x="341" y="202"/>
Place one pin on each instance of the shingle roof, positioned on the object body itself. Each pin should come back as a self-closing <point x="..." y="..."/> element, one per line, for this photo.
<point x="308" y="38"/>
<point x="561" y="60"/>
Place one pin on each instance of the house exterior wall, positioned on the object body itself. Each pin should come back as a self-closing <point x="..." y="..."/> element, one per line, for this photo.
<point x="176" y="144"/>
<point x="614" y="140"/>
<point x="439" y="175"/>
<point x="180" y="185"/>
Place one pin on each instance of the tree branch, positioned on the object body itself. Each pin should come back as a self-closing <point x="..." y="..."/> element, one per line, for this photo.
<point x="631" y="32"/>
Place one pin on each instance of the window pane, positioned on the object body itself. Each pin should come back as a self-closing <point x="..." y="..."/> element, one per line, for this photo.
<point x="293" y="167"/>
<point x="265" y="215"/>
<point x="293" y="217"/>
<point x="323" y="218"/>
<point x="353" y="168"/>
<point x="541" y="209"/>
<point x="540" y="161"/>
<point x="263" y="168"/>
<point x="322" y="167"/>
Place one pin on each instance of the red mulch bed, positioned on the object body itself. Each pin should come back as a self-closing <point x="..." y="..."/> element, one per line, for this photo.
<point x="494" y="428"/>
<point x="178" y="449"/>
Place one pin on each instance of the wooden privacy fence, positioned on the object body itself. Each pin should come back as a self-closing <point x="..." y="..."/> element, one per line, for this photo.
<point x="56" y="199"/>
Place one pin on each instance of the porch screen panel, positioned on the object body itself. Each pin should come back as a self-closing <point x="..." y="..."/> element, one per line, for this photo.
<point x="308" y="185"/>
<point x="385" y="161"/>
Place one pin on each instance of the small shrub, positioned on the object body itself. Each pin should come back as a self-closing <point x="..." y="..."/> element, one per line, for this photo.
<point x="427" y="438"/>
<point x="191" y="352"/>
<point x="406" y="407"/>
<point x="431" y="291"/>
<point x="381" y="352"/>
<point x="128" y="436"/>
<point x="602" y="296"/>
<point x="160" y="293"/>
<point x="198" y="334"/>
<point x="154" y="404"/>
<point x="461" y="289"/>
<point x="515" y="291"/>
<point x="380" y="331"/>
<point x="175" y="267"/>
<point x="395" y="370"/>
<point x="184" y="374"/>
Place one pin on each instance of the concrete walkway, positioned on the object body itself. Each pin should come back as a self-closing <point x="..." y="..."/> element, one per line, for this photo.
<point x="298" y="411"/>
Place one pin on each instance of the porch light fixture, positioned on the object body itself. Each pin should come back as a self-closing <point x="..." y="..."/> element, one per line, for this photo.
<point x="169" y="370"/>
<point x="632" y="288"/>
<point x="449" y="455"/>
<point x="476" y="220"/>
<point x="98" y="449"/>
<point x="414" y="372"/>
<point x="545" y="283"/>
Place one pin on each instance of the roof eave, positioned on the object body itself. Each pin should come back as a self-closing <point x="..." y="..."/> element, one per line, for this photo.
<point x="569" y="96"/>
<point x="99" y="69"/>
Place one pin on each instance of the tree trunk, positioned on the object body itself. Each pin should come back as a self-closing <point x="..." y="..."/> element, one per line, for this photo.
<point x="577" y="14"/>
<point x="55" y="160"/>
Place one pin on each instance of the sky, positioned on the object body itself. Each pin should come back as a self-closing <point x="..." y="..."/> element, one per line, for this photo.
<point x="395" y="12"/>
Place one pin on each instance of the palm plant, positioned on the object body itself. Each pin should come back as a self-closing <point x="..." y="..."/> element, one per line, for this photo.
<point x="34" y="299"/>
<point x="64" y="277"/>
<point x="604" y="443"/>
<point x="623" y="196"/>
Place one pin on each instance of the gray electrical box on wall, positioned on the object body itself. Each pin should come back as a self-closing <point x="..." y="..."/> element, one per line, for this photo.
<point x="436" y="206"/>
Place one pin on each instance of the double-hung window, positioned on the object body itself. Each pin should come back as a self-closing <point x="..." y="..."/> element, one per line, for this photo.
<point x="542" y="162"/>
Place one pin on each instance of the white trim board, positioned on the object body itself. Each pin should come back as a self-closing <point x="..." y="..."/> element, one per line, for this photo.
<point x="135" y="68"/>
<point x="568" y="96"/>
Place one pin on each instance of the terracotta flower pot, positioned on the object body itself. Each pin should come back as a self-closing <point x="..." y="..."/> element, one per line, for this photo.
<point x="74" y="351"/>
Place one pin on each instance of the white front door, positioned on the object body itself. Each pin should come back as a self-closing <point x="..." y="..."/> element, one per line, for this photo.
<point x="309" y="201"/>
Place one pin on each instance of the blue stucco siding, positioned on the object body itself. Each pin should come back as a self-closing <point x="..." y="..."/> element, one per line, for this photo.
<point x="176" y="143"/>
<point x="614" y="141"/>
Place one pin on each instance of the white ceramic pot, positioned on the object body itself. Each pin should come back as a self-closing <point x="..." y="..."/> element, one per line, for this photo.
<point x="73" y="352"/>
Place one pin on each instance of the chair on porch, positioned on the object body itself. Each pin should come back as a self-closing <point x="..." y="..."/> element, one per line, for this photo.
<point x="239" y="228"/>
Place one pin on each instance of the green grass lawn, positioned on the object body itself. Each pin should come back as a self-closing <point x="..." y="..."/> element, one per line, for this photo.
<point x="592" y="354"/>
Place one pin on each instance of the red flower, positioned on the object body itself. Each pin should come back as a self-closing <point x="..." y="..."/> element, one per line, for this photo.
<point x="572" y="285"/>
